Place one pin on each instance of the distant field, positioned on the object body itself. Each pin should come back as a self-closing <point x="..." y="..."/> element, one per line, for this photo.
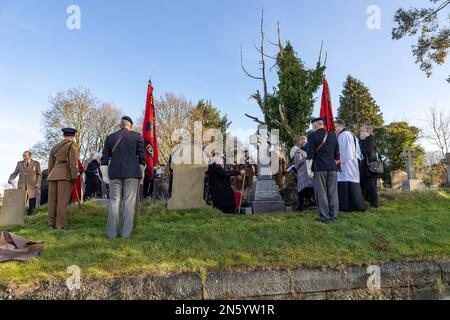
<point x="413" y="226"/>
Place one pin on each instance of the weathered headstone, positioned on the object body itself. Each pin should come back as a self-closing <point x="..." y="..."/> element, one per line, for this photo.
<point x="447" y="162"/>
<point x="265" y="197"/>
<point x="397" y="179"/>
<point x="412" y="183"/>
<point x="187" y="186"/>
<point x="13" y="208"/>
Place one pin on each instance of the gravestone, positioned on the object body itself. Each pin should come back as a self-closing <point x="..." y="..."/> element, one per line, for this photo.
<point x="187" y="186"/>
<point x="447" y="162"/>
<point x="265" y="197"/>
<point x="397" y="179"/>
<point x="13" y="208"/>
<point x="412" y="183"/>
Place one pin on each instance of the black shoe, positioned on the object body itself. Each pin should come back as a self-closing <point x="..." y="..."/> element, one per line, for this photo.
<point x="322" y="221"/>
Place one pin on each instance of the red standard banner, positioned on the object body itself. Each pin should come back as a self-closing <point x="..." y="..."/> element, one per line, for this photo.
<point x="149" y="133"/>
<point x="326" y="110"/>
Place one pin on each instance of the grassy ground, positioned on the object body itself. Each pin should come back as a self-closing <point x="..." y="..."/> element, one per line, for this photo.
<point x="407" y="227"/>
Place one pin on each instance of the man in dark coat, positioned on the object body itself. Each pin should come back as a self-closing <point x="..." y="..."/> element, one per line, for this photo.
<point x="323" y="154"/>
<point x="125" y="155"/>
<point x="368" y="179"/>
<point x="222" y="194"/>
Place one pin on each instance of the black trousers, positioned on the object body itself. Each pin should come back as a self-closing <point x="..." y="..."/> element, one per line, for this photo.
<point x="303" y="198"/>
<point x="369" y="189"/>
<point x="149" y="184"/>
<point x="44" y="196"/>
<point x="31" y="206"/>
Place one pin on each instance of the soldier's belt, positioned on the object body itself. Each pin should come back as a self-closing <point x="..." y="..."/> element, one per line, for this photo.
<point x="58" y="162"/>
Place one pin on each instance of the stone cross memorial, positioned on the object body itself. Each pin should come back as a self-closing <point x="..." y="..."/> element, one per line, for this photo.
<point x="412" y="183"/>
<point x="409" y="156"/>
<point x="265" y="197"/>
<point x="13" y="208"/>
<point x="447" y="162"/>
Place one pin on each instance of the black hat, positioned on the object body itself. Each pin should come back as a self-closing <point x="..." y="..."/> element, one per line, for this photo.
<point x="318" y="119"/>
<point x="127" y="118"/>
<point x="69" y="132"/>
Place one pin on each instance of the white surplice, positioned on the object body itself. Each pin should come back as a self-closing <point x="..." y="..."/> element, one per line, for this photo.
<point x="350" y="152"/>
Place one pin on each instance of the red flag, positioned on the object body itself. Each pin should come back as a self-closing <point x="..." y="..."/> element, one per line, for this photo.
<point x="326" y="110"/>
<point x="149" y="133"/>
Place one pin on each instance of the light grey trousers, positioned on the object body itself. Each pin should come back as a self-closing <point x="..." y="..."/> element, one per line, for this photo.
<point x="122" y="194"/>
<point x="325" y="187"/>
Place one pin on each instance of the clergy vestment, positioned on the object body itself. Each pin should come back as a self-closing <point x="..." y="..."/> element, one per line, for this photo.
<point x="349" y="189"/>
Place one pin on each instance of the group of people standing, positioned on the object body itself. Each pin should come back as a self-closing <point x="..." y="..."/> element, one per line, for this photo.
<point x="334" y="167"/>
<point x="120" y="167"/>
<point x="332" y="171"/>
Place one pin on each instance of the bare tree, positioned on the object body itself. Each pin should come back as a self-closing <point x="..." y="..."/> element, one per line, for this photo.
<point x="172" y="112"/>
<point x="78" y="109"/>
<point x="438" y="129"/>
<point x="105" y="119"/>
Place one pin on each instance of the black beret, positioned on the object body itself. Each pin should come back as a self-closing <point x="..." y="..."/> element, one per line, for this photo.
<point x="69" y="132"/>
<point x="127" y="118"/>
<point x="318" y="119"/>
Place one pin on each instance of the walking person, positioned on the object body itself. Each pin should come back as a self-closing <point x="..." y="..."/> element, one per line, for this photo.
<point x="368" y="178"/>
<point x="29" y="172"/>
<point x="122" y="166"/>
<point x="63" y="173"/>
<point x="323" y="154"/>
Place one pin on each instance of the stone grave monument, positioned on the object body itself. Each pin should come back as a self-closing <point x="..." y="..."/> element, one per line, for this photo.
<point x="447" y="162"/>
<point x="265" y="197"/>
<point x="412" y="183"/>
<point x="397" y="179"/>
<point x="187" y="186"/>
<point x="13" y="208"/>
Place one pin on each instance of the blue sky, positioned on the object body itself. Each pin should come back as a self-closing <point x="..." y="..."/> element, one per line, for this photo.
<point x="193" y="48"/>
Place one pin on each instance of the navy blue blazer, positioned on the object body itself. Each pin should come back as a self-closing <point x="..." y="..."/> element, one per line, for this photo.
<point x="325" y="159"/>
<point x="127" y="158"/>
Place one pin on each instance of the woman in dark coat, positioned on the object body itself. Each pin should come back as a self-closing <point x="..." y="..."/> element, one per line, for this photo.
<point x="368" y="179"/>
<point x="93" y="179"/>
<point x="222" y="194"/>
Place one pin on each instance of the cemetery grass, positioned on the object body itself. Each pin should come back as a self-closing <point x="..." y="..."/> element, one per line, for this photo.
<point x="407" y="227"/>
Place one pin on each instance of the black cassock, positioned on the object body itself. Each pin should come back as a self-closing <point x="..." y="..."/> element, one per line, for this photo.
<point x="222" y="194"/>
<point x="350" y="197"/>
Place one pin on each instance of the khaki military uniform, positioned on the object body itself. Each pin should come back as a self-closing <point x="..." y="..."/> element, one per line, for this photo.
<point x="63" y="172"/>
<point x="29" y="177"/>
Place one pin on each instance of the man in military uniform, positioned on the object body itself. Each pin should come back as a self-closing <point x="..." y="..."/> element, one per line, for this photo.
<point x="63" y="171"/>
<point x="29" y="172"/>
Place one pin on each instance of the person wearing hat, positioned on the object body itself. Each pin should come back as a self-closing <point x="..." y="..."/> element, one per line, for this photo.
<point x="122" y="166"/>
<point x="323" y="155"/>
<point x="63" y="173"/>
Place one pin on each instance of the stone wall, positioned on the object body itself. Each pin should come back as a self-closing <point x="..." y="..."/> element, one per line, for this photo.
<point x="413" y="280"/>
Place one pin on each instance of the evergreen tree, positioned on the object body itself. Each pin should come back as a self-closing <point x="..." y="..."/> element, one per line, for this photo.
<point x="391" y="140"/>
<point x="210" y="116"/>
<point x="357" y="106"/>
<point x="293" y="102"/>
